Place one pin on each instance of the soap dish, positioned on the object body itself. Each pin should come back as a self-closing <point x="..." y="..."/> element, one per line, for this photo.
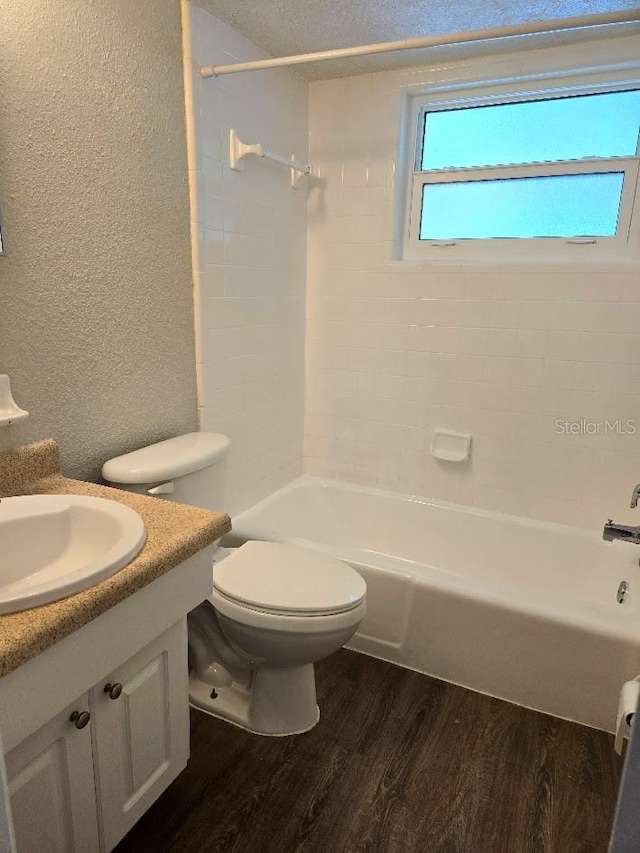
<point x="450" y="446"/>
<point x="9" y="410"/>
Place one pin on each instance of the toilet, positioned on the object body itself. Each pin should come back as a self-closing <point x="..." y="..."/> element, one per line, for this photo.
<point x="274" y="609"/>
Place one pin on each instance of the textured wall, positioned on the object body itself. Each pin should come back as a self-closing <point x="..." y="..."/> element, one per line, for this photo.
<point x="251" y="262"/>
<point x="95" y="292"/>
<point x="395" y="350"/>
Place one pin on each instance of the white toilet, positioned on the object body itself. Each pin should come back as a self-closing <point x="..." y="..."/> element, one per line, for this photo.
<point x="274" y="609"/>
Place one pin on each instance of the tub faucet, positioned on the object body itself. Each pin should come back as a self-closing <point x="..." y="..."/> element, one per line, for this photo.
<point x="624" y="532"/>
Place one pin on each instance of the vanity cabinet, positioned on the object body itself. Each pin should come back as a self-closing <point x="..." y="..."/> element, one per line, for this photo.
<point x="52" y="790"/>
<point x="141" y="732"/>
<point x="78" y="785"/>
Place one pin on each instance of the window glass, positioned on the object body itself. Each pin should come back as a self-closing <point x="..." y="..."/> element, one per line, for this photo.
<point x="584" y="205"/>
<point x="603" y="125"/>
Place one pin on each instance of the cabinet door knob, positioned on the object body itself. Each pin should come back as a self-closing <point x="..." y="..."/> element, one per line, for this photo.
<point x="114" y="690"/>
<point x="80" y="718"/>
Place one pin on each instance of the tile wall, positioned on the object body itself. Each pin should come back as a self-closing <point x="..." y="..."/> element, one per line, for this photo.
<point x="250" y="262"/>
<point x="506" y="352"/>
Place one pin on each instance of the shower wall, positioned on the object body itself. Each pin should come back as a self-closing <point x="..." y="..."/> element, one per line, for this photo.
<point x="506" y="352"/>
<point x="249" y="261"/>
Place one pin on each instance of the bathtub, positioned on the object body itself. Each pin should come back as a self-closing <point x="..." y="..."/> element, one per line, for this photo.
<point x="518" y="609"/>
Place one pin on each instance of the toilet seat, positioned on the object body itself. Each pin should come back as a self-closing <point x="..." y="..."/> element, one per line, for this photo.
<point x="285" y="580"/>
<point x="287" y="623"/>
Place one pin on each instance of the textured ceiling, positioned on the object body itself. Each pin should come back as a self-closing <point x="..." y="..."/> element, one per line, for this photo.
<point x="283" y="27"/>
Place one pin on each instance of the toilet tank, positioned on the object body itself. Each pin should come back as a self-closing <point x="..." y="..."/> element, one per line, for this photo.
<point x="188" y="469"/>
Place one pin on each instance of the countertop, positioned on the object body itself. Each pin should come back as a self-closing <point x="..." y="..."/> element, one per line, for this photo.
<point x="175" y="532"/>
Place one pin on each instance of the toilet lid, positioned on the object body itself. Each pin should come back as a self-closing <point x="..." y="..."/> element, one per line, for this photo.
<point x="277" y="578"/>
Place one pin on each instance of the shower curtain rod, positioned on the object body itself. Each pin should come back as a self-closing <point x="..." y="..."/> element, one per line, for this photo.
<point x="557" y="25"/>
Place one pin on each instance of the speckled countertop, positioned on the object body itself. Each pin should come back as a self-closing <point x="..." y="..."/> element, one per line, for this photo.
<point x="174" y="533"/>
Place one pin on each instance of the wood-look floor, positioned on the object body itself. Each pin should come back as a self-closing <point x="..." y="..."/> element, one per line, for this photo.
<point x="398" y="763"/>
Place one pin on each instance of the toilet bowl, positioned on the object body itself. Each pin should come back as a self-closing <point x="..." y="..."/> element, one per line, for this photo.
<point x="274" y="609"/>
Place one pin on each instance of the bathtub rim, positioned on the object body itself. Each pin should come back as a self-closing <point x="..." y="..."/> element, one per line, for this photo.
<point x="466" y="509"/>
<point x="578" y="613"/>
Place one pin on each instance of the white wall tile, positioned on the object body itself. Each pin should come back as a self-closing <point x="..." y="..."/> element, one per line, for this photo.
<point x="393" y="350"/>
<point x="252" y="250"/>
<point x="396" y="350"/>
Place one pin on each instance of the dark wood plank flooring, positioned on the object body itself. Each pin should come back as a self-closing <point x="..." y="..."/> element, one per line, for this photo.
<point x="399" y="763"/>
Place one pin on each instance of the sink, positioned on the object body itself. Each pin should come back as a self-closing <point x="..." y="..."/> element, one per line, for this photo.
<point x="52" y="546"/>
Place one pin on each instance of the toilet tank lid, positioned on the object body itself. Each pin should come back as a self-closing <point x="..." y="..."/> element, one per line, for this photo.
<point x="168" y="459"/>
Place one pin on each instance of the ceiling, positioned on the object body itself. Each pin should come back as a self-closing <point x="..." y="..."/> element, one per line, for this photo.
<point x="283" y="27"/>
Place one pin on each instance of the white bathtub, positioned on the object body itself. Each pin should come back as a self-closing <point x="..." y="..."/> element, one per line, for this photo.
<point x="522" y="610"/>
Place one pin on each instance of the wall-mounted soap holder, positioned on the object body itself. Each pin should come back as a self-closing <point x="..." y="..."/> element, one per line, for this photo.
<point x="450" y="446"/>
<point x="9" y="410"/>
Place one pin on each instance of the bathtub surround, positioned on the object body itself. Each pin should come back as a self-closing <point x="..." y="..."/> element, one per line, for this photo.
<point x="96" y="324"/>
<point x="507" y="353"/>
<point x="249" y="261"/>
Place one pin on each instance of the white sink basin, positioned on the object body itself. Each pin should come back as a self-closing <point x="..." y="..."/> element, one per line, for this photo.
<point x="52" y="546"/>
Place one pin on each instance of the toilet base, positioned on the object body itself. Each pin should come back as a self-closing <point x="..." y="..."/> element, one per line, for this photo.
<point x="281" y="700"/>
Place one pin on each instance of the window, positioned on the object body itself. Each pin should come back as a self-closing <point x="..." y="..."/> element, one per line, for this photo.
<point x="547" y="176"/>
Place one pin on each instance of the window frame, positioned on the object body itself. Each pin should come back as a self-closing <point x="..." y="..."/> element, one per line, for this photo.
<point x="621" y="247"/>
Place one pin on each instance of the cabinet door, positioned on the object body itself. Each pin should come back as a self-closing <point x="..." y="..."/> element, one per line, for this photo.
<point x="51" y="788"/>
<point x="142" y="735"/>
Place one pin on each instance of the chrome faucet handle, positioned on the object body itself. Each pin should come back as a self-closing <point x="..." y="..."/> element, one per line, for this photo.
<point x="635" y="495"/>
